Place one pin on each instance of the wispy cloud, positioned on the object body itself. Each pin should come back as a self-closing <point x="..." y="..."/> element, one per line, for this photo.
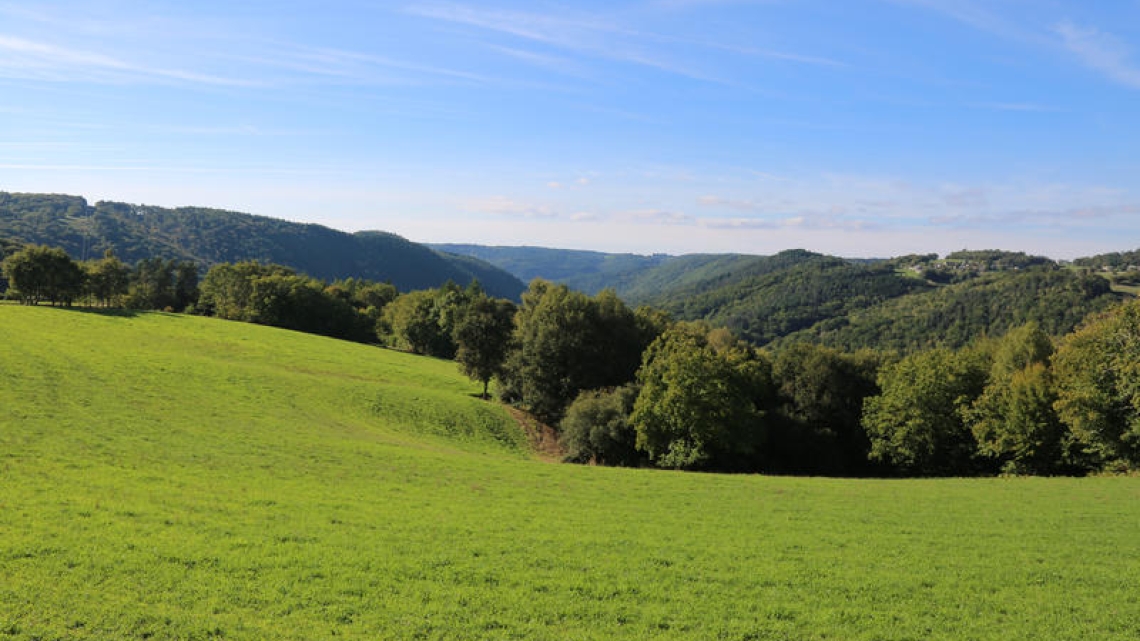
<point x="1022" y="107"/>
<point x="729" y="203"/>
<point x="558" y="64"/>
<point x="802" y="222"/>
<point x="27" y="59"/>
<point x="1102" y="51"/>
<point x="358" y="67"/>
<point x="504" y="206"/>
<point x="596" y="37"/>
<point x="655" y="217"/>
<point x="562" y="32"/>
<point x="975" y="15"/>
<point x="1065" y="218"/>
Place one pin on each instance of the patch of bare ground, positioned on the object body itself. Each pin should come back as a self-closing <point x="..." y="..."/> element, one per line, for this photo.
<point x="542" y="437"/>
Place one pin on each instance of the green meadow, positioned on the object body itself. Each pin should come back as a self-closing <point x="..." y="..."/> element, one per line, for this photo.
<point x="175" y="477"/>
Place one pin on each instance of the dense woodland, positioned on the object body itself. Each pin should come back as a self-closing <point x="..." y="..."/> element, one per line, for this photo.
<point x="208" y="237"/>
<point x="1026" y="393"/>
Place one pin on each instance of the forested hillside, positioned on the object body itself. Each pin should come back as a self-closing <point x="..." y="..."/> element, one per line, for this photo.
<point x="587" y="271"/>
<point x="767" y="298"/>
<point x="1057" y="300"/>
<point x="212" y="236"/>
<point x="904" y="303"/>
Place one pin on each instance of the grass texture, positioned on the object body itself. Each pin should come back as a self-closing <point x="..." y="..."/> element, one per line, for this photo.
<point x="172" y="477"/>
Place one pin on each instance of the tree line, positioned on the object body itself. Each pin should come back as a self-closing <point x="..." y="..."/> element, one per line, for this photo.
<point x="634" y="387"/>
<point x="38" y="274"/>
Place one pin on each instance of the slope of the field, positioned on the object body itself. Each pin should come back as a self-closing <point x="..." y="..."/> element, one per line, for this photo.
<point x="168" y="477"/>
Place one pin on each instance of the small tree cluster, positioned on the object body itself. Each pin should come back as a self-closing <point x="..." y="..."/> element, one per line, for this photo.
<point x="39" y="274"/>
<point x="565" y="342"/>
<point x="277" y="296"/>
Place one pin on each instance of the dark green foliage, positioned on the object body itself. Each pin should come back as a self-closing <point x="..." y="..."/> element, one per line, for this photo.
<point x="227" y="290"/>
<point x="1115" y="261"/>
<point x="482" y="336"/>
<point x="906" y="303"/>
<point x="588" y="271"/>
<point x="490" y="265"/>
<point x="1013" y="420"/>
<point x="955" y="315"/>
<point x="108" y="279"/>
<point x="596" y="428"/>
<point x="368" y="299"/>
<point x="275" y="295"/>
<point x="998" y="260"/>
<point x="39" y="274"/>
<point x="7" y="248"/>
<point x="785" y="293"/>
<point x="301" y="303"/>
<point x="1097" y="371"/>
<point x="210" y="236"/>
<point x="163" y="284"/>
<point x="421" y="322"/>
<point x="820" y="401"/>
<point x="703" y="400"/>
<point x="918" y="422"/>
<point x="566" y="342"/>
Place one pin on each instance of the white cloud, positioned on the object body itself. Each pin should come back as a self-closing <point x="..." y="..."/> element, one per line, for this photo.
<point x="655" y="217"/>
<point x="504" y="206"/>
<point x="1101" y="51"/>
<point x="728" y="203"/>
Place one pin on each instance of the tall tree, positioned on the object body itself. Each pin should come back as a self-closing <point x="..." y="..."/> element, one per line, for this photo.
<point x="40" y="273"/>
<point x="108" y="279"/>
<point x="482" y="334"/>
<point x="703" y="400"/>
<point x="820" y="397"/>
<point x="1097" y="371"/>
<point x="917" y="423"/>
<point x="152" y="284"/>
<point x="565" y="342"/>
<point x="1013" y="420"/>
<point x="416" y="322"/>
<point x="227" y="289"/>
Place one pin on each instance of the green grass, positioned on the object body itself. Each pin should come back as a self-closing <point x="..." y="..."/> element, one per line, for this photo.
<point x="169" y="477"/>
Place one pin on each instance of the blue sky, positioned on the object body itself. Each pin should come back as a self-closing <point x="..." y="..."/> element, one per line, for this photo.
<point x="852" y="127"/>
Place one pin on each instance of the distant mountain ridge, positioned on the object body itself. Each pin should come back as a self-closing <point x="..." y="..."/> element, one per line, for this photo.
<point x="211" y="236"/>
<point x="903" y="303"/>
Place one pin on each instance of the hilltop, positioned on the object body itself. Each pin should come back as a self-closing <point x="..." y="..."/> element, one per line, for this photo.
<point x="211" y="236"/>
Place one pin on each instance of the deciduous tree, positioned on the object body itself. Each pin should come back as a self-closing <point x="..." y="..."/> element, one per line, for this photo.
<point x="703" y="400"/>
<point x="597" y="428"/>
<point x="482" y="335"/>
<point x="917" y="423"/>
<point x="1097" y="371"/>
<point x="1013" y="420"/>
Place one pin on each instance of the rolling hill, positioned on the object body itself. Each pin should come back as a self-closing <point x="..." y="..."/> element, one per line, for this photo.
<point x="798" y="295"/>
<point x="177" y="477"/>
<point x="210" y="236"/>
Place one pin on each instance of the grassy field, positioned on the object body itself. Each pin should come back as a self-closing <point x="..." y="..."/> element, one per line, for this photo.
<point x="170" y="477"/>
